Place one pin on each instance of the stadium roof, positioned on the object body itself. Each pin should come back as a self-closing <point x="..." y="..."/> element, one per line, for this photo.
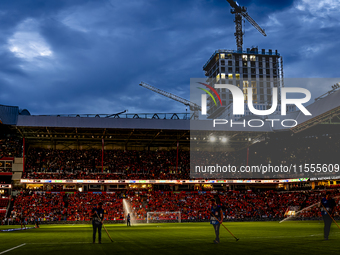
<point x="155" y="129"/>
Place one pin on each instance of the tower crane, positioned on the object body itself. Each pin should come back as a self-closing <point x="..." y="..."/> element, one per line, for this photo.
<point x="241" y="12"/>
<point x="193" y="107"/>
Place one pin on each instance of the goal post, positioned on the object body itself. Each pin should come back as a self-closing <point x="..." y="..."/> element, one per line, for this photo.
<point x="163" y="217"/>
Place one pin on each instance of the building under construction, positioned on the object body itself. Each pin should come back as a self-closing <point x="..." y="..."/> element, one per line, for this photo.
<point x="252" y="69"/>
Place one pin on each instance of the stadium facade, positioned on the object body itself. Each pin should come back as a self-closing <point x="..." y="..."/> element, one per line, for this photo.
<point x="133" y="132"/>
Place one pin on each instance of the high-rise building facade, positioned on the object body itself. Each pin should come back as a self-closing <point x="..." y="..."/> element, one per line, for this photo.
<point x="250" y="69"/>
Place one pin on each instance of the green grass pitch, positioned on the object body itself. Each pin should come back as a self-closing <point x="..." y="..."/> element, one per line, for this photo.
<point x="175" y="238"/>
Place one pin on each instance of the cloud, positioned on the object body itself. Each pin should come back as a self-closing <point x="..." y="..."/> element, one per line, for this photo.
<point x="89" y="56"/>
<point x="27" y="43"/>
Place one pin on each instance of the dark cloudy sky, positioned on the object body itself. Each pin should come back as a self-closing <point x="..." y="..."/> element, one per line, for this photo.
<point x="77" y="56"/>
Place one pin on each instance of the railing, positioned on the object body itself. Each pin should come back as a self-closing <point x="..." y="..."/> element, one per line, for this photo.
<point x="177" y="116"/>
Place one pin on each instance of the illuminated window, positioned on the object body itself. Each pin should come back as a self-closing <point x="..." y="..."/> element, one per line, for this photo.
<point x="253" y="84"/>
<point x="230" y="76"/>
<point x="252" y="57"/>
<point x="222" y="75"/>
<point x="245" y="84"/>
<point x="254" y="99"/>
<point x="222" y="56"/>
<point x="229" y="56"/>
<point x="218" y="77"/>
<point x="244" y="57"/>
<point x="237" y="76"/>
<point x="245" y="94"/>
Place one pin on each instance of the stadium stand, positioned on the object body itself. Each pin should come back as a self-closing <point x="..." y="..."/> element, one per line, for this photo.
<point x="237" y="205"/>
<point x="3" y="206"/>
<point x="161" y="165"/>
<point x="118" y="164"/>
<point x="10" y="146"/>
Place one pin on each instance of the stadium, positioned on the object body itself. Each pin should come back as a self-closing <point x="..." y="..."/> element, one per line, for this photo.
<point x="55" y="168"/>
<point x="246" y="170"/>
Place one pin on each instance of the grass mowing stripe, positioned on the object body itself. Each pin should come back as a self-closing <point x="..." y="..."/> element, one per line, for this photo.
<point x="256" y="238"/>
<point x="12" y="248"/>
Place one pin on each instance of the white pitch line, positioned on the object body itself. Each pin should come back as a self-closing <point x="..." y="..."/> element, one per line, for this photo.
<point x="62" y="243"/>
<point x="12" y="248"/>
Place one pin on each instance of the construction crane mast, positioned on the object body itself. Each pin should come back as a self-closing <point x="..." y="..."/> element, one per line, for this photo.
<point x="193" y="107"/>
<point x="240" y="13"/>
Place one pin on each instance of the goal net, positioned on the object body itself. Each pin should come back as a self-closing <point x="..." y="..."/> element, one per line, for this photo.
<point x="159" y="217"/>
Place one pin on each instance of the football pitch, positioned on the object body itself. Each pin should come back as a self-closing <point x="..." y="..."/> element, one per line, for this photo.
<point x="174" y="238"/>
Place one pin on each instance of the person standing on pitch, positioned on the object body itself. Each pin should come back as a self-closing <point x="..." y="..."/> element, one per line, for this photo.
<point x="128" y="220"/>
<point x="327" y="206"/>
<point x="216" y="218"/>
<point x="22" y="220"/>
<point x="97" y="215"/>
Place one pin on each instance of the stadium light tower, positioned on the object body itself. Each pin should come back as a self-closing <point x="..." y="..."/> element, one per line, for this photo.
<point x="240" y="13"/>
<point x="193" y="107"/>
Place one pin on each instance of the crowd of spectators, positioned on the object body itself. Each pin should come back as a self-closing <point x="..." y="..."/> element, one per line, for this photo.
<point x="10" y="146"/>
<point x="156" y="165"/>
<point x="194" y="206"/>
<point x="118" y="164"/>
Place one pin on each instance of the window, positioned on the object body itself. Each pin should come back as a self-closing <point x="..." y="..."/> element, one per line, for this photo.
<point x="245" y="94"/>
<point x="230" y="76"/>
<point x="252" y="57"/>
<point x="222" y="75"/>
<point x="230" y="70"/>
<point x="222" y="56"/>
<point x="254" y="99"/>
<point x="244" y="57"/>
<point x="237" y="76"/>
<point x="230" y="63"/>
